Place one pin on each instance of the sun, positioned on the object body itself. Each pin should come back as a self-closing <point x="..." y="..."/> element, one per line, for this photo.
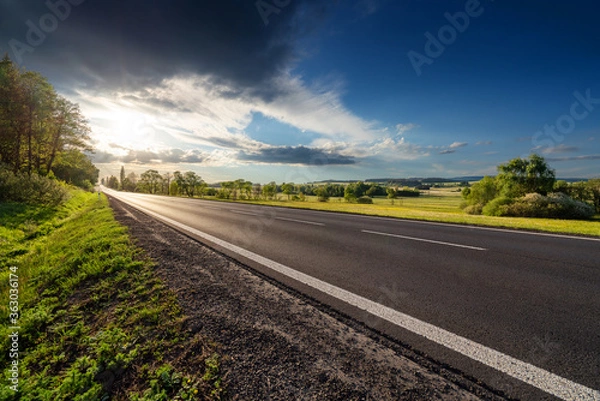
<point x="133" y="127"/>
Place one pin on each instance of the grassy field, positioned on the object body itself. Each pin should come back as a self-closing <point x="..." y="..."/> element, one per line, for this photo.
<point x="93" y="321"/>
<point x="441" y="205"/>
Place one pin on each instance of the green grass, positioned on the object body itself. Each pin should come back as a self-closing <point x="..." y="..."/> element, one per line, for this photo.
<point x="442" y="205"/>
<point x="95" y="322"/>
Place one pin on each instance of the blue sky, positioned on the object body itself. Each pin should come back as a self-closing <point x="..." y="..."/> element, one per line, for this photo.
<point x="301" y="91"/>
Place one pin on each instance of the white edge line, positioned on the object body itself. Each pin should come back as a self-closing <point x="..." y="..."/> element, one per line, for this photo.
<point x="476" y="248"/>
<point x="314" y="223"/>
<point x="542" y="379"/>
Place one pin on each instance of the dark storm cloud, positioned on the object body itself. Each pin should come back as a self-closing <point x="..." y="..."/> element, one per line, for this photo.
<point x="296" y="155"/>
<point x="135" y="43"/>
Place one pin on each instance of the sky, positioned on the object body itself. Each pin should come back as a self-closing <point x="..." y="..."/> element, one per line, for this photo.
<point x="309" y="90"/>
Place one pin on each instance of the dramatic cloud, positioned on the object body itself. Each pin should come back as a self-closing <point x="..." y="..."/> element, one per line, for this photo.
<point x="296" y="155"/>
<point x="172" y="156"/>
<point x="114" y="43"/>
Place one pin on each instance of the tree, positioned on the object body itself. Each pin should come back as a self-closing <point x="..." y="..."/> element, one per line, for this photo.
<point x="76" y="168"/>
<point x="37" y="125"/>
<point x="287" y="189"/>
<point x="479" y="194"/>
<point x="593" y="186"/>
<point x="113" y="182"/>
<point x="322" y="193"/>
<point x="150" y="181"/>
<point x="256" y="191"/>
<point x="227" y="188"/>
<point x="519" y="176"/>
<point x="192" y="182"/>
<point x="122" y="176"/>
<point x="269" y="190"/>
<point x="167" y="177"/>
<point x="130" y="182"/>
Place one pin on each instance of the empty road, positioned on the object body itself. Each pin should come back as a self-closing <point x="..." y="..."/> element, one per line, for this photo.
<point x="520" y="311"/>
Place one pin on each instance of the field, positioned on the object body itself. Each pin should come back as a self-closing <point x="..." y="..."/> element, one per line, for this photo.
<point x="438" y="205"/>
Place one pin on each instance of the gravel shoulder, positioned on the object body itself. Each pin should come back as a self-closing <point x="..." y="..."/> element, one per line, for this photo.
<point x="277" y="345"/>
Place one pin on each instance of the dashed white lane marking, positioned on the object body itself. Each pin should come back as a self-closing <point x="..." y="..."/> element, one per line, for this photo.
<point x="542" y="379"/>
<point x="314" y="223"/>
<point x="242" y="212"/>
<point x="475" y="248"/>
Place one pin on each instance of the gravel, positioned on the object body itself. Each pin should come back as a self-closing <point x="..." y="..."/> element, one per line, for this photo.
<point x="278" y="345"/>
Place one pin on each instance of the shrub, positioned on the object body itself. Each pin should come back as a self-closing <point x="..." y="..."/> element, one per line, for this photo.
<point x="365" y="200"/>
<point x="555" y="205"/>
<point x="473" y="209"/>
<point x="31" y="189"/>
<point x="497" y="207"/>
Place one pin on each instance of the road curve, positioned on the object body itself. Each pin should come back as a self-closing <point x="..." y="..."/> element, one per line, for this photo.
<point x="532" y="298"/>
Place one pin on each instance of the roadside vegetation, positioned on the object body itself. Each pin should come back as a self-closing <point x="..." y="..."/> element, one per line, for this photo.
<point x="528" y="188"/>
<point x="95" y="322"/>
<point x="43" y="139"/>
<point x="524" y="195"/>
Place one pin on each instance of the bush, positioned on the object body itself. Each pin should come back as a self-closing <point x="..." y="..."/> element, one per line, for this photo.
<point x="32" y="189"/>
<point x="497" y="207"/>
<point x="555" y="205"/>
<point x="473" y="209"/>
<point x="365" y="200"/>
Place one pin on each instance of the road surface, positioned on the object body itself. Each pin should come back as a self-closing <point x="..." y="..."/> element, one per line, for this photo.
<point x="519" y="311"/>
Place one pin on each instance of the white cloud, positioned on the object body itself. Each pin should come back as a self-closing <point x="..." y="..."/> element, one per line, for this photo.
<point x="456" y="145"/>
<point x="403" y="128"/>
<point x="196" y="111"/>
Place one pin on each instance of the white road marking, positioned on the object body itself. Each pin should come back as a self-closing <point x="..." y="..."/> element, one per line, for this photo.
<point x="476" y="248"/>
<point x="542" y="379"/>
<point x="241" y="212"/>
<point x="300" y="221"/>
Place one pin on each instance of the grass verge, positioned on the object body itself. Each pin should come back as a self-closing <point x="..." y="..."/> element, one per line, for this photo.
<point x="94" y="322"/>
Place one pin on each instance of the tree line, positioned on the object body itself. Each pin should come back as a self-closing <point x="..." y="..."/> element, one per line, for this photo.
<point x="191" y="184"/>
<point x="41" y="132"/>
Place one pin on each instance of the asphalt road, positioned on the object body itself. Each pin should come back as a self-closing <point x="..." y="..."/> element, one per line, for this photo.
<point x="532" y="297"/>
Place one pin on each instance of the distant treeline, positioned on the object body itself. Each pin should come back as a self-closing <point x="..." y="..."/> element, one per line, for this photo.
<point x="191" y="184"/>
